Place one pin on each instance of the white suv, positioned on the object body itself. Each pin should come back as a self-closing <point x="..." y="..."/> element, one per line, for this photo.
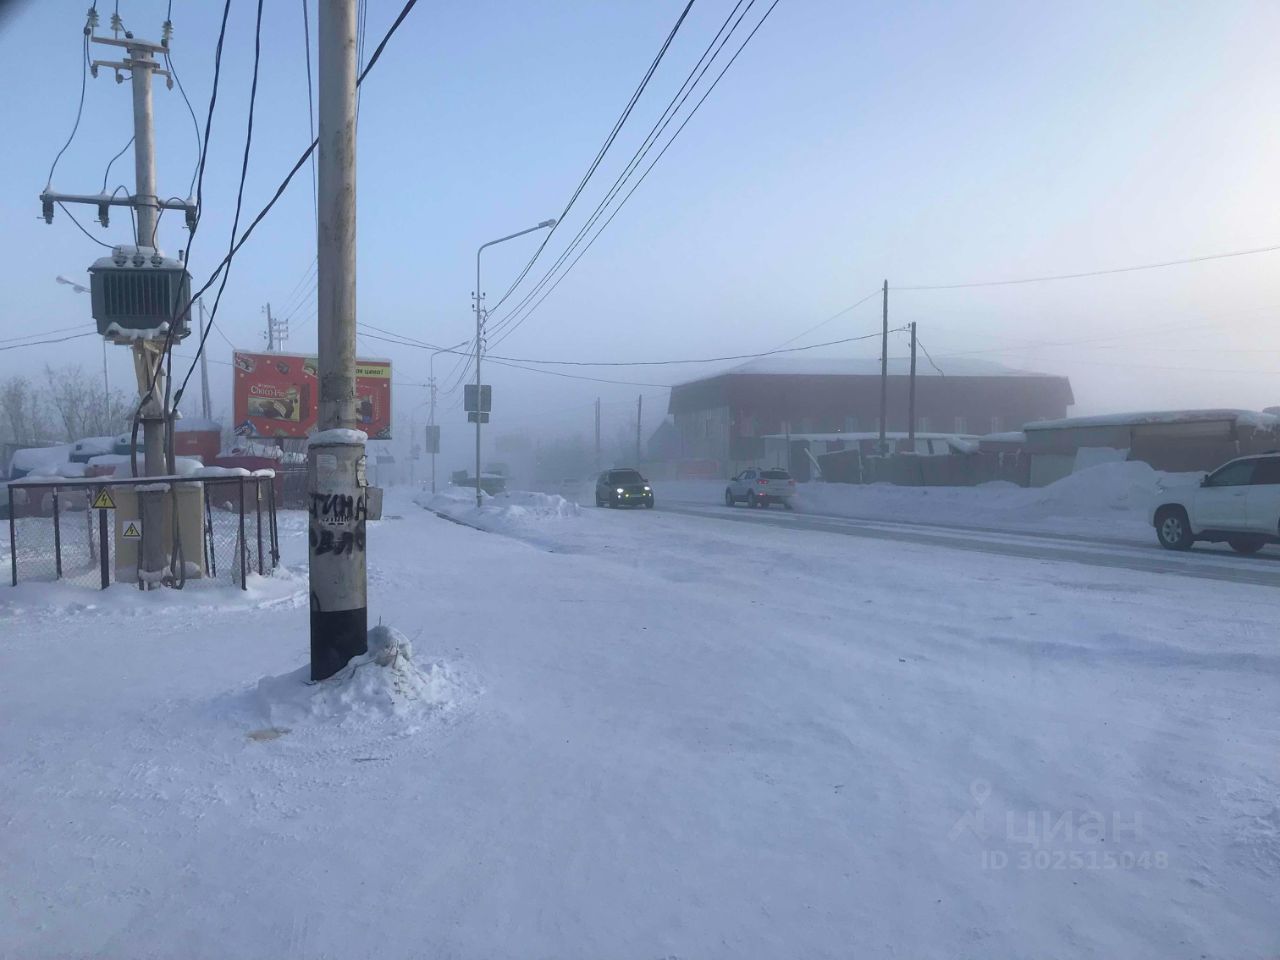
<point x="1239" y="503"/>
<point x="759" y="488"/>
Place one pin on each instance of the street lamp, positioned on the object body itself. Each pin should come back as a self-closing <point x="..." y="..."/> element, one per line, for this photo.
<point x="480" y="334"/>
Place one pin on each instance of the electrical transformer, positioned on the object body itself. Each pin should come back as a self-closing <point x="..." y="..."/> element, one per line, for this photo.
<point x="139" y="295"/>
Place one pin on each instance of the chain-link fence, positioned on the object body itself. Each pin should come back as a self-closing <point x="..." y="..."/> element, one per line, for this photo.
<point x="220" y="529"/>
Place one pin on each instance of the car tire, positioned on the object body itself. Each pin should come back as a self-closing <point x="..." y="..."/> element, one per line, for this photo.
<point x="648" y="504"/>
<point x="787" y="504"/>
<point x="1246" y="545"/>
<point x="729" y="500"/>
<point x="1173" y="529"/>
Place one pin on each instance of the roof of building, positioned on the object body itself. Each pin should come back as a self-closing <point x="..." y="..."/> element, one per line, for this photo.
<point x="1252" y="418"/>
<point x="869" y="367"/>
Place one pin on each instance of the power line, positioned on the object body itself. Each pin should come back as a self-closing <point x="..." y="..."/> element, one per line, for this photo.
<point x="574" y="376"/>
<point x="648" y="169"/>
<point x="195" y="124"/>
<point x="655" y="131"/>
<point x="835" y="316"/>
<point x="36" y="343"/>
<point x="46" y="333"/>
<point x="84" y="78"/>
<point x="1092" y="273"/>
<point x="244" y="164"/>
<point x="204" y="153"/>
<point x="311" y="108"/>
<point x="107" y="173"/>
<point x="925" y="351"/>
<point x="410" y="342"/>
<point x="284" y="184"/>
<point x="80" y="227"/>
<point x="604" y="148"/>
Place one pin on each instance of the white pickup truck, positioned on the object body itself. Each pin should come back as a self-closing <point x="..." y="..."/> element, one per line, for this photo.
<point x="1238" y="503"/>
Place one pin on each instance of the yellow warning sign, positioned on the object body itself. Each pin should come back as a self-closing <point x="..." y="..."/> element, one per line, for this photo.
<point x="103" y="500"/>
<point x="132" y="530"/>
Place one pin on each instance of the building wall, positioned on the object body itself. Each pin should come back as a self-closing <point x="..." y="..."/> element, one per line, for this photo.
<point x="704" y="434"/>
<point x="722" y="417"/>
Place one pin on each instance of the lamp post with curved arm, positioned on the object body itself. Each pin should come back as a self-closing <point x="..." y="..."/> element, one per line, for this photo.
<point x="480" y="335"/>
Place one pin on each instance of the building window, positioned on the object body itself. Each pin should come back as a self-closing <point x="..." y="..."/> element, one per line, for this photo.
<point x="850" y="424"/>
<point x="959" y="425"/>
<point x="996" y="424"/>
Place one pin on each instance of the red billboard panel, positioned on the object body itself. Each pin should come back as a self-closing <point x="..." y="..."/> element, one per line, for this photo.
<point x="276" y="395"/>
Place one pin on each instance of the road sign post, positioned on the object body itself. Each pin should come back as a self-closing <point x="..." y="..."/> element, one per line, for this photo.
<point x="471" y="404"/>
<point x="102" y="503"/>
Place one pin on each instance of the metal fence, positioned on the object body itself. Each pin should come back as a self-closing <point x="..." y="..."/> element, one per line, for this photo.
<point x="71" y="530"/>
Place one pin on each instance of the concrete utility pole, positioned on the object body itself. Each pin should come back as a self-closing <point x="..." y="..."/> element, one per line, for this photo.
<point x="148" y="356"/>
<point x="141" y="65"/>
<point x="639" y="413"/>
<point x="271" y="330"/>
<point x="206" y="406"/>
<point x="336" y="479"/>
<point x="911" y="394"/>
<point x="884" y="374"/>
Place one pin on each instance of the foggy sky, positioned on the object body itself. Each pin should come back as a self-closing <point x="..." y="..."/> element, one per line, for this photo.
<point x="850" y="143"/>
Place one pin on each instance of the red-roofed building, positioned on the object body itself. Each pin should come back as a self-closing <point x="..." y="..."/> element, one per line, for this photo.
<point x="725" y="417"/>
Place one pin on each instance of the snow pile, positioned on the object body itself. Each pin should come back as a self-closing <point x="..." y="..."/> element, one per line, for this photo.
<point x="383" y="684"/>
<point x="514" y="510"/>
<point x="1122" y="485"/>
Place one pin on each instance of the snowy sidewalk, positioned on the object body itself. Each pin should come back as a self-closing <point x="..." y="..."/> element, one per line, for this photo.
<point x="661" y="736"/>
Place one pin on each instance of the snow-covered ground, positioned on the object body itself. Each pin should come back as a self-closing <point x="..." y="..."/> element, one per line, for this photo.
<point x="638" y="734"/>
<point x="1109" y="500"/>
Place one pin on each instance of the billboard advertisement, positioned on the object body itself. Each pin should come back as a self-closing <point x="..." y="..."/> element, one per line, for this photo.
<point x="276" y="395"/>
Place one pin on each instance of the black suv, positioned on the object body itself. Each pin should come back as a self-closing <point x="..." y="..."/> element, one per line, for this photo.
<point x="623" y="488"/>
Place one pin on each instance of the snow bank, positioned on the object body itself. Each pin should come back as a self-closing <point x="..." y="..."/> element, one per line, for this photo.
<point x="516" y="511"/>
<point x="1108" y="497"/>
<point x="1118" y="486"/>
<point x="383" y="684"/>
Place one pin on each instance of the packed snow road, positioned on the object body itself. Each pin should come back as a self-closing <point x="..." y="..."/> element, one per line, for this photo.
<point x="1122" y="553"/>
<point x="645" y="734"/>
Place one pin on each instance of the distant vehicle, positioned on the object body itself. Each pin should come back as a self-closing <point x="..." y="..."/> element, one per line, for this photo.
<point x="491" y="483"/>
<point x="1238" y="503"/>
<point x="623" y="487"/>
<point x="759" y="488"/>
